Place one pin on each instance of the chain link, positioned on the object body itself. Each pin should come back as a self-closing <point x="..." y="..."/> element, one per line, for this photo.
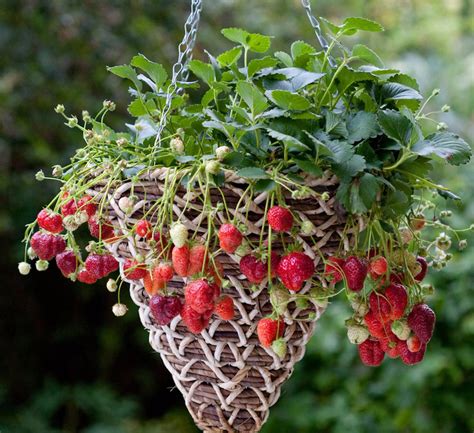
<point x="180" y="72"/>
<point x="317" y="29"/>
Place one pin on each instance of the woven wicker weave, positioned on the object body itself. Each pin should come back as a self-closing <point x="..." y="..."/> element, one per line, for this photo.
<point x="229" y="381"/>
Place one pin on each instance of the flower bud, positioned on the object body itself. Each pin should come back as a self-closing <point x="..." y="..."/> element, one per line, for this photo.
<point x="108" y="105"/>
<point x="325" y="196"/>
<point x="177" y="145"/>
<point x="42" y="265"/>
<point x="24" y="268"/>
<point x="72" y="122"/>
<point x="111" y="285"/>
<point x="462" y="244"/>
<point x="221" y="152"/>
<point x="31" y="253"/>
<point x="119" y="310"/>
<point x="59" y="108"/>
<point x="445" y="108"/>
<point x="307" y="228"/>
<point x="39" y="176"/>
<point x="57" y="171"/>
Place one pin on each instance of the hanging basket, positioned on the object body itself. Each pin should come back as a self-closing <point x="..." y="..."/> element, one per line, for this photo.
<point x="228" y="380"/>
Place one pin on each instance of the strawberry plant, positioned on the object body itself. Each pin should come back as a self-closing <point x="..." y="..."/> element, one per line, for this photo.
<point x="233" y="172"/>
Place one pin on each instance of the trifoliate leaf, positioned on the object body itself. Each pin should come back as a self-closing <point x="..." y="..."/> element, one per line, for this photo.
<point x="288" y="100"/>
<point x="335" y="124"/>
<point x="445" y="145"/>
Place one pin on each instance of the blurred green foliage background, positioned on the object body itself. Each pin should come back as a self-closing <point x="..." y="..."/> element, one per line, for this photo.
<point x="67" y="364"/>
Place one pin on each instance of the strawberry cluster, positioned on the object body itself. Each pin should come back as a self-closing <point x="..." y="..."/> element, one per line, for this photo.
<point x="389" y="317"/>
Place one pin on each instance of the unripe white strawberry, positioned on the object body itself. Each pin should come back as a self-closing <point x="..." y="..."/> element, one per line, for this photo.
<point x="42" y="265"/>
<point x="279" y="347"/>
<point x="359" y="307"/>
<point x="179" y="234"/>
<point x="111" y="285"/>
<point x="357" y="334"/>
<point x="221" y="152"/>
<point x="126" y="205"/>
<point x="213" y="166"/>
<point x="24" y="268"/>
<point x="119" y="310"/>
<point x="81" y="217"/>
<point x="31" y="253"/>
<point x="177" y="145"/>
<point x="307" y="228"/>
<point x="401" y="329"/>
<point x="70" y="223"/>
<point x="279" y="299"/>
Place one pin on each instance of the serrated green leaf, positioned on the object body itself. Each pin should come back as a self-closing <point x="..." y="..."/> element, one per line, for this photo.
<point x="126" y="71"/>
<point x="349" y="168"/>
<point x="309" y="167"/>
<point x="406" y="80"/>
<point x="235" y="34"/>
<point x="265" y="185"/>
<point x="353" y="24"/>
<point x="285" y="58"/>
<point x="369" y="187"/>
<point x="288" y="100"/>
<point x="137" y="108"/>
<point x="397" y="91"/>
<point x="292" y="142"/>
<point x="154" y="70"/>
<point x="252" y="173"/>
<point x="362" y="126"/>
<point x="335" y="124"/>
<point x="228" y="58"/>
<point x="395" y="126"/>
<point x="258" y="43"/>
<point x="446" y="145"/>
<point x="252" y="96"/>
<point x="202" y="70"/>
<point x="256" y="65"/>
<point x="364" y="53"/>
<point x="301" y="48"/>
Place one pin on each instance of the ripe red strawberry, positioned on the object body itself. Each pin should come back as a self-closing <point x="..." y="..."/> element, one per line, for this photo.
<point x="165" y="271"/>
<point x="294" y="269"/>
<point x="230" y="238"/>
<point x="100" y="265"/>
<point x="398" y="299"/>
<point x="46" y="245"/>
<point x="70" y="207"/>
<point x="371" y="353"/>
<point x="376" y="328"/>
<point x="180" y="259"/>
<point x="421" y="321"/>
<point x="67" y="262"/>
<point x="378" y="267"/>
<point x="413" y="344"/>
<point x="103" y="230"/>
<point x="255" y="270"/>
<point x="165" y="308"/>
<point x="280" y="219"/>
<point x="50" y="221"/>
<point x="424" y="268"/>
<point x="408" y="357"/>
<point x="194" y="321"/>
<point x="333" y="272"/>
<point x="153" y="282"/>
<point x="144" y="229"/>
<point x="87" y="204"/>
<point x="355" y="271"/>
<point x="389" y="345"/>
<point x="380" y="306"/>
<point x="134" y="270"/>
<point x="396" y="279"/>
<point x="84" y="276"/>
<point x="268" y="330"/>
<point x="200" y="295"/>
<point x="225" y="308"/>
<point x="197" y="259"/>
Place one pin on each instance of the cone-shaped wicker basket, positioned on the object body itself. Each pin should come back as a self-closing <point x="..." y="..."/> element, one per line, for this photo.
<point x="229" y="381"/>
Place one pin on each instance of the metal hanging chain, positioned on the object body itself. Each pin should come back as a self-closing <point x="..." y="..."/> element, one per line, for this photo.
<point x="317" y="30"/>
<point x="180" y="70"/>
<point x="185" y="52"/>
